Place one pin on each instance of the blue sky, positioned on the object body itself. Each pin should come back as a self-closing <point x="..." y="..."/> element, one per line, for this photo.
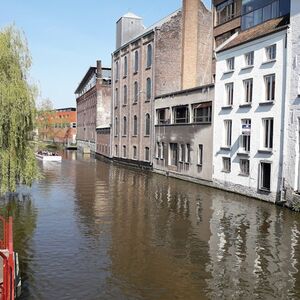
<point x="65" y="37"/>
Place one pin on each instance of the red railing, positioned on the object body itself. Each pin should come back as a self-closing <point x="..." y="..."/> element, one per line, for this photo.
<point x="7" y="287"/>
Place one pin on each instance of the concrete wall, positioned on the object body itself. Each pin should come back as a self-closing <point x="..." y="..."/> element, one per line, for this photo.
<point x="182" y="134"/>
<point x="292" y="142"/>
<point x="256" y="112"/>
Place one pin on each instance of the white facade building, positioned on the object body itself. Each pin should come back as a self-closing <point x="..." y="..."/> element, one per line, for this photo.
<point x="292" y="133"/>
<point x="249" y="113"/>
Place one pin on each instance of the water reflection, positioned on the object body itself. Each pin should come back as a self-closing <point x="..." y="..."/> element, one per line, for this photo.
<point x="105" y="232"/>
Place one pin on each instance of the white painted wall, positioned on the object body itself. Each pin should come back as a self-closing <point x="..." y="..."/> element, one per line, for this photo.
<point x="291" y="164"/>
<point x="249" y="185"/>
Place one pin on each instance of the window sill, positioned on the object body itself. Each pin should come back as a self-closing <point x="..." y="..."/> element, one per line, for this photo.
<point x="227" y="172"/>
<point x="228" y="72"/>
<point x="124" y="105"/>
<point x="244" y="153"/>
<point x="146" y="136"/>
<point x="268" y="62"/>
<point x="134" y="103"/>
<point x="199" y="165"/>
<point x="247" y="68"/>
<point x="244" y="175"/>
<point x="116" y="107"/>
<point x="116" y="80"/>
<point x="146" y="101"/>
<point x="265" y="151"/>
<point x="269" y="102"/>
<point x="264" y="191"/>
<point x="225" y="148"/>
<point x="134" y="135"/>
<point x="134" y="73"/>
<point x="125" y="76"/>
<point x="245" y="105"/>
<point x="148" y="68"/>
<point x="226" y="107"/>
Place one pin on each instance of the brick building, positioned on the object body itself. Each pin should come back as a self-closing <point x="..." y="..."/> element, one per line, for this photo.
<point x="184" y="93"/>
<point x="93" y="111"/>
<point x="58" y="125"/>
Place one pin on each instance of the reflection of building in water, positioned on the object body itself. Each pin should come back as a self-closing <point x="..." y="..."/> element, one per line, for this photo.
<point x="248" y="248"/>
<point x="156" y="235"/>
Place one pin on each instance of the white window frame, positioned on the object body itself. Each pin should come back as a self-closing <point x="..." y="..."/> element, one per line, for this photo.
<point x="227" y="133"/>
<point x="270" y="87"/>
<point x="226" y="163"/>
<point x="229" y="87"/>
<point x="271" y="52"/>
<point x="268" y="133"/>
<point x="245" y="166"/>
<point x="245" y="142"/>
<point x="249" y="59"/>
<point x="261" y="175"/>
<point x="230" y="63"/>
<point x="200" y="155"/>
<point x="248" y="90"/>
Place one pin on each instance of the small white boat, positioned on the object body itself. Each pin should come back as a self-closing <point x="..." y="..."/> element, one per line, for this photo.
<point x="46" y="157"/>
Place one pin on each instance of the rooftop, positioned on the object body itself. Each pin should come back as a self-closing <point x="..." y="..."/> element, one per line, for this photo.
<point x="261" y="30"/>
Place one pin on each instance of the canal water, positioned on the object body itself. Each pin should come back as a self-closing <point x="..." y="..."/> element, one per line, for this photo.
<point x="91" y="230"/>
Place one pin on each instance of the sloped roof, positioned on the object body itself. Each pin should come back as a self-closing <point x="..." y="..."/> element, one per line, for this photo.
<point x="261" y="30"/>
<point x="131" y="15"/>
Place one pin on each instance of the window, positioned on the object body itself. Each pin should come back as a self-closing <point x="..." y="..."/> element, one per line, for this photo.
<point x="124" y="151"/>
<point x="135" y="125"/>
<point x="255" y="12"/>
<point x="229" y="93"/>
<point x="248" y="90"/>
<point x="147" y="124"/>
<point x="230" y="64"/>
<point x="268" y="125"/>
<point x="116" y="150"/>
<point x="181" y="114"/>
<point x="246" y="135"/>
<point x="162" y="116"/>
<point x="173" y="154"/>
<point x="149" y="56"/>
<point x="226" y="164"/>
<point x="265" y="176"/>
<point x="124" y="126"/>
<point x="182" y="153"/>
<point x="136" y="61"/>
<point x="227" y="128"/>
<point x="136" y="92"/>
<point x="249" y="58"/>
<point x="149" y="91"/>
<point x="158" y="150"/>
<point x="134" y="152"/>
<point x="147" y="154"/>
<point x="188" y="153"/>
<point x="125" y="66"/>
<point x="202" y="112"/>
<point x="116" y="97"/>
<point x="225" y="11"/>
<point x="162" y="156"/>
<point x="270" y="87"/>
<point x="271" y="52"/>
<point x="117" y="71"/>
<point x="200" y="155"/>
<point x="125" y="95"/>
<point x="244" y="166"/>
<point x="116" y="127"/>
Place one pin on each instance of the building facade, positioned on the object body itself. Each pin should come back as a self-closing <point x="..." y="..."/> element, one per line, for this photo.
<point x="250" y="106"/>
<point x="93" y="111"/>
<point x="292" y="133"/>
<point x="58" y="126"/>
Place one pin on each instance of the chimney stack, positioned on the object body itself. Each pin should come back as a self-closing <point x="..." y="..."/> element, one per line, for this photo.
<point x="99" y="69"/>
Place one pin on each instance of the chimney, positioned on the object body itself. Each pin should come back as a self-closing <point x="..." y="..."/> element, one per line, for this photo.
<point x="190" y="43"/>
<point x="99" y="69"/>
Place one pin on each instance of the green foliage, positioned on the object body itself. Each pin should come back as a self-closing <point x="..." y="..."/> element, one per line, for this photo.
<point x="17" y="112"/>
<point x="295" y="205"/>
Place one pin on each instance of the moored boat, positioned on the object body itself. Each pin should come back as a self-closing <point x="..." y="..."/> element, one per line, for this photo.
<point x="48" y="156"/>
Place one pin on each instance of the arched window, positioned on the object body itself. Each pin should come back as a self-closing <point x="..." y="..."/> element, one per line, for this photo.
<point x="135" y="125"/>
<point x="147" y="153"/>
<point x="125" y="95"/>
<point x="147" y="124"/>
<point x="125" y="66"/>
<point x="149" y="56"/>
<point x="149" y="89"/>
<point x="117" y="71"/>
<point x="136" y="92"/>
<point x="116" y="97"/>
<point x="136" y="61"/>
<point x="124" y="126"/>
<point x="124" y="151"/>
<point x="116" y="127"/>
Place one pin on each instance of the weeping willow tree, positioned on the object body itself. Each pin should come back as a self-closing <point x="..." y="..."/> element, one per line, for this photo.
<point x="17" y="112"/>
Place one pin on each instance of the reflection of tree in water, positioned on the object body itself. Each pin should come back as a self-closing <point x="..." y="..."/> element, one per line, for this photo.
<point x="24" y="214"/>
